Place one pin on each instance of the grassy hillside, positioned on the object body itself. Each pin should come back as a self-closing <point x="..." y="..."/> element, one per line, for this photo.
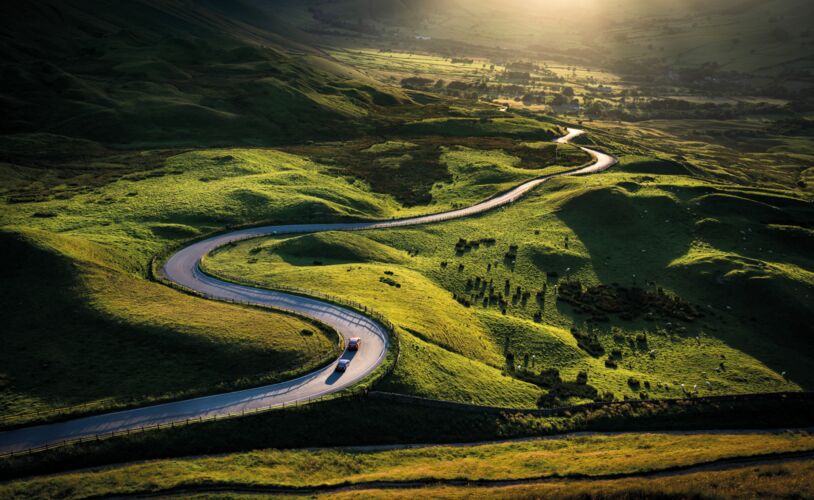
<point x="150" y="73"/>
<point x="771" y="37"/>
<point x="130" y="129"/>
<point x="523" y="278"/>
<point x="110" y="338"/>
<point x="120" y="209"/>
<point x="444" y="351"/>
<point x="78" y="331"/>
<point x="584" y="456"/>
<point x="435" y="172"/>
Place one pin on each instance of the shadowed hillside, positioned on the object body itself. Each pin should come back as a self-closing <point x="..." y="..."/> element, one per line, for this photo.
<point x="196" y="73"/>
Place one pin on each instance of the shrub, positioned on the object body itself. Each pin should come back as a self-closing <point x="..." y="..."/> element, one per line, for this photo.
<point x="390" y="281"/>
<point x="588" y="342"/>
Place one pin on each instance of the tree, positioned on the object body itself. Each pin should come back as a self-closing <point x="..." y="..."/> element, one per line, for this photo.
<point x="559" y="100"/>
<point x="568" y="91"/>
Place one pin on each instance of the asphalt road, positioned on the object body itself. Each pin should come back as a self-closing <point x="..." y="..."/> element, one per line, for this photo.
<point x="182" y="268"/>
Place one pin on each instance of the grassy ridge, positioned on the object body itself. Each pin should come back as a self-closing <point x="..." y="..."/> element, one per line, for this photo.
<point x="645" y="226"/>
<point x="442" y="172"/>
<point x="149" y="73"/>
<point x="106" y="235"/>
<point x="550" y="457"/>
<point x="491" y="127"/>
<point x="79" y="332"/>
<point x="87" y="256"/>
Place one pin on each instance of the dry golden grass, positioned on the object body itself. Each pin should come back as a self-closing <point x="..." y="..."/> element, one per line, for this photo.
<point x="593" y="455"/>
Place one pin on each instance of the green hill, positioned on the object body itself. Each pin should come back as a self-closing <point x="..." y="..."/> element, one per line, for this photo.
<point x="148" y="73"/>
<point x="335" y="247"/>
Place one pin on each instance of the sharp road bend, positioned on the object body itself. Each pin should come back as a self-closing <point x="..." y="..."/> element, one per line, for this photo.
<point x="183" y="269"/>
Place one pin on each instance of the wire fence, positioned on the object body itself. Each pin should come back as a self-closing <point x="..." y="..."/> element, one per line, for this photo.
<point x="172" y="424"/>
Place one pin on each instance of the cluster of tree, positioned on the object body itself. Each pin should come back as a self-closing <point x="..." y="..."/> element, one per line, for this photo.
<point x="360" y="25"/>
<point x="417" y="82"/>
<point x="532" y="98"/>
<point x="628" y="303"/>
<point x="527" y="67"/>
<point x="559" y="392"/>
<point x="515" y="76"/>
<point x="678" y="109"/>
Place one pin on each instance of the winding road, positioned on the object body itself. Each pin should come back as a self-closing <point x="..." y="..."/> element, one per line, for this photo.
<point x="183" y="269"/>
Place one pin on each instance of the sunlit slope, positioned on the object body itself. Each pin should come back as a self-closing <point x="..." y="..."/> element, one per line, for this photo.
<point x="738" y="255"/>
<point x="444" y="350"/>
<point x="86" y="326"/>
<point x="583" y="456"/>
<point x="80" y="329"/>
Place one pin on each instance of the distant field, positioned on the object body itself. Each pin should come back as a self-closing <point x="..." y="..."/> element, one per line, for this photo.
<point x="742" y="36"/>
<point x="591" y="455"/>
<point x="395" y="65"/>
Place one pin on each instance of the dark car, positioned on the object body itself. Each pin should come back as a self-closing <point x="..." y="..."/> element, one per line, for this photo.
<point x="342" y="365"/>
<point x="354" y="343"/>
